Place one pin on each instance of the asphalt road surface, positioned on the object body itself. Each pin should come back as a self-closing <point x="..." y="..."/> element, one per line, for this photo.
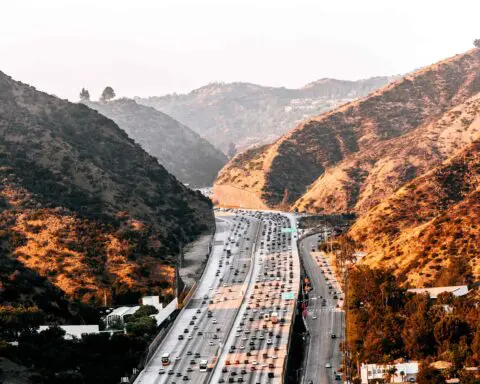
<point x="220" y="291"/>
<point x="324" y="355"/>
<point x="226" y="321"/>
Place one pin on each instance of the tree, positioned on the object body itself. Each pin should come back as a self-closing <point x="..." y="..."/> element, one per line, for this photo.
<point x="417" y="332"/>
<point x="429" y="375"/>
<point x="450" y="330"/>
<point x="232" y="150"/>
<point x="145" y="310"/>
<point x="476" y="43"/>
<point x="107" y="94"/>
<point x="142" y="326"/>
<point x="84" y="95"/>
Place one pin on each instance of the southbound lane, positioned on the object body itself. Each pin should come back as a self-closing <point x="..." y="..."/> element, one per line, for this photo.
<point x="324" y="318"/>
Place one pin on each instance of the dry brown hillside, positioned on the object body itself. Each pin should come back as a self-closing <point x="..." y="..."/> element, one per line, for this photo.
<point x="351" y="157"/>
<point x="365" y="178"/>
<point x="84" y="207"/>
<point x="428" y="230"/>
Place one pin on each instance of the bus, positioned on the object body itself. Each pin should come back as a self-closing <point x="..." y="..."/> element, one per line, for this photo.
<point x="165" y="359"/>
<point x="203" y="366"/>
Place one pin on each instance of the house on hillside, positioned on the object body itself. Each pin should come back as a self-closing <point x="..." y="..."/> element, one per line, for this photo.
<point x="394" y="373"/>
<point x="117" y="316"/>
<point x="459" y="290"/>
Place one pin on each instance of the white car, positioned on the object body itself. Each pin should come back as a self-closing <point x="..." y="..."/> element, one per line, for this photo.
<point x="314" y="317"/>
<point x="269" y="341"/>
<point x="328" y="365"/>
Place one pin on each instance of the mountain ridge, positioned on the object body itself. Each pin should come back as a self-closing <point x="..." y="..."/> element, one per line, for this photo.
<point x="85" y="207"/>
<point x="285" y="170"/>
<point x="192" y="159"/>
<point x="247" y="114"/>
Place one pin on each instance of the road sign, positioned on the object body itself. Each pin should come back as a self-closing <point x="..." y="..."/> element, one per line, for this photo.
<point x="288" y="295"/>
<point x="289" y="230"/>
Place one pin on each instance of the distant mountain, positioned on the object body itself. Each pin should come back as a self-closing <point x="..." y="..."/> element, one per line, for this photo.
<point x="350" y="158"/>
<point x="85" y="213"/>
<point x="427" y="231"/>
<point x="181" y="151"/>
<point x="247" y="114"/>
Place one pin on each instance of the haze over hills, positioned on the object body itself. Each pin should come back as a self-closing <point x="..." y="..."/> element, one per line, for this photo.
<point x="83" y="206"/>
<point x="350" y="158"/>
<point x="247" y="114"/>
<point x="192" y="159"/>
<point x="428" y="230"/>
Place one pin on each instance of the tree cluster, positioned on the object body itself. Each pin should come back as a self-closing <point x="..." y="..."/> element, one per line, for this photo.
<point x="385" y="322"/>
<point x="97" y="358"/>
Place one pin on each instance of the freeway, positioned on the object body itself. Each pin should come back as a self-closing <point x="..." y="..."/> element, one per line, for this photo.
<point x="325" y="317"/>
<point x="202" y="326"/>
<point x="237" y="320"/>
<point x="258" y="345"/>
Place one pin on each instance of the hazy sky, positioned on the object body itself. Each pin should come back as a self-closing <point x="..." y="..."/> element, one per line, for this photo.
<point x="153" y="47"/>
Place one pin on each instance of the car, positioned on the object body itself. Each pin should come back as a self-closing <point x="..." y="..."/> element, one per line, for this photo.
<point x="221" y="380"/>
<point x="171" y="372"/>
<point x="314" y="317"/>
<point x="328" y="365"/>
<point x="185" y="378"/>
<point x="211" y="343"/>
<point x="334" y="336"/>
<point x="189" y="369"/>
<point x="180" y="337"/>
<point x="161" y="371"/>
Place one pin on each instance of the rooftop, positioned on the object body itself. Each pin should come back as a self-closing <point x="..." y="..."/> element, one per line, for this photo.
<point x="459" y="290"/>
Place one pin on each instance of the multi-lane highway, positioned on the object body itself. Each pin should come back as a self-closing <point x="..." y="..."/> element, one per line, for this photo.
<point x="227" y="323"/>
<point x="258" y="345"/>
<point x="325" y="319"/>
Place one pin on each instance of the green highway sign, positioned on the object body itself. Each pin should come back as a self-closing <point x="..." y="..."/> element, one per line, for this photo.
<point x="289" y="230"/>
<point x="288" y="295"/>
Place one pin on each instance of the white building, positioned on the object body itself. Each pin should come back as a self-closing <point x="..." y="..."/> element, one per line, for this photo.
<point x="153" y="301"/>
<point x="403" y="372"/>
<point x="118" y="314"/>
<point x="74" y="331"/>
<point x="460" y="290"/>
<point x="164" y="313"/>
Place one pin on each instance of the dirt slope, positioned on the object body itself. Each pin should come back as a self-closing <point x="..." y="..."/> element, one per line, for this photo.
<point x="83" y="206"/>
<point x="342" y="160"/>
<point x="428" y="230"/>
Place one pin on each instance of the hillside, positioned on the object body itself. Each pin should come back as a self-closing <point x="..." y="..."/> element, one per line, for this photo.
<point x="247" y="114"/>
<point x="181" y="151"/>
<point x="350" y="158"/>
<point x="428" y="230"/>
<point x="83" y="206"/>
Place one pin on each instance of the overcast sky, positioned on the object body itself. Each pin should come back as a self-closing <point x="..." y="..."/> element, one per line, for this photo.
<point x="154" y="47"/>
